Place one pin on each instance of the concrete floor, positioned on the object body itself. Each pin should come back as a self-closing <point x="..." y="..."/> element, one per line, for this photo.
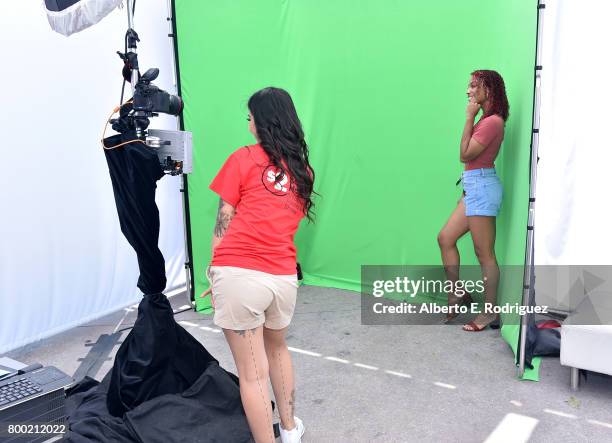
<point x="389" y="383"/>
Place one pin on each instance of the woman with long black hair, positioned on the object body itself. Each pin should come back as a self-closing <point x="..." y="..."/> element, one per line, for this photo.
<point x="265" y="190"/>
<point x="477" y="210"/>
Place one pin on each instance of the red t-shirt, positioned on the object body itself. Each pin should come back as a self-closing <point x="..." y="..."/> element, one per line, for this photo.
<point x="260" y="236"/>
<point x="489" y="132"/>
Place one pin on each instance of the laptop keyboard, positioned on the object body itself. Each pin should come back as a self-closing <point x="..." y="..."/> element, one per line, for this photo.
<point x="17" y="390"/>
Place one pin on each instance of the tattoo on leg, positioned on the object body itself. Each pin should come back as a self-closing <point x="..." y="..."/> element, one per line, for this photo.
<point x="292" y="403"/>
<point x="285" y="399"/>
<point x="291" y="400"/>
<point x="243" y="332"/>
<point x="267" y="406"/>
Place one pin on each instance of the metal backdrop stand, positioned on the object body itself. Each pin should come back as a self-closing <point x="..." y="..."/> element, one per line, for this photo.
<point x="528" y="279"/>
<point x="189" y="276"/>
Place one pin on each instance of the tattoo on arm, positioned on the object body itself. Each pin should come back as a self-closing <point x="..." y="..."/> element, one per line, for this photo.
<point x="224" y="218"/>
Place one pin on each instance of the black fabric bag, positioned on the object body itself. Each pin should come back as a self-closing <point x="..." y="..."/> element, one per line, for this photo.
<point x="134" y="171"/>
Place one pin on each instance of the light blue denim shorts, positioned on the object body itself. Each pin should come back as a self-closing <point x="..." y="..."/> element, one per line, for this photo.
<point x="482" y="191"/>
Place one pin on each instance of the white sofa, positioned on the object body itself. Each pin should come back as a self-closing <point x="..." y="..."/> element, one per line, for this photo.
<point x="586" y="337"/>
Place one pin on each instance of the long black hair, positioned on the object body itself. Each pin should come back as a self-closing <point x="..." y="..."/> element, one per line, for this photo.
<point x="281" y="136"/>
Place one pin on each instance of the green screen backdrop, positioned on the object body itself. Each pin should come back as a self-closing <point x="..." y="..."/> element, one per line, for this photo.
<point x="380" y="88"/>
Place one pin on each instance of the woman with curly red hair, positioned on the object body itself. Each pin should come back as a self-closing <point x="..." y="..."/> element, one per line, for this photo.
<point x="477" y="210"/>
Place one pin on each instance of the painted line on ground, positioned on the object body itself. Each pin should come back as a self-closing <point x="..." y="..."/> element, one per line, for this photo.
<point x="302" y="351"/>
<point x="600" y="423"/>
<point x="336" y="359"/>
<point x="206" y="328"/>
<point x="445" y="385"/>
<point x="361" y="365"/>
<point x="513" y="419"/>
<point x="332" y="358"/>
<point x="188" y="323"/>
<point x="559" y="413"/>
<point x="399" y="374"/>
<point x="520" y="427"/>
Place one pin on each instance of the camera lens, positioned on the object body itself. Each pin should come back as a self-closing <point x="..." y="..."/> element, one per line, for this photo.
<point x="175" y="105"/>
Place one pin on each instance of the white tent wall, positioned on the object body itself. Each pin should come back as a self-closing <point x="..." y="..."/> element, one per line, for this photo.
<point x="573" y="210"/>
<point x="63" y="258"/>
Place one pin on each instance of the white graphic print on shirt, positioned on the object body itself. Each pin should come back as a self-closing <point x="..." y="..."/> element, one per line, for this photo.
<point x="279" y="186"/>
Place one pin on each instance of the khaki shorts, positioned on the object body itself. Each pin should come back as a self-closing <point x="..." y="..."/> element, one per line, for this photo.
<point x="247" y="299"/>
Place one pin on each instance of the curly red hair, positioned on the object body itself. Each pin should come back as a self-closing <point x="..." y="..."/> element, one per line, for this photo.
<point x="494" y="83"/>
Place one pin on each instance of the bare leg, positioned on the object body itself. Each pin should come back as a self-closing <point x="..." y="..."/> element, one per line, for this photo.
<point x="455" y="228"/>
<point x="281" y="375"/>
<point x="483" y="235"/>
<point x="249" y="354"/>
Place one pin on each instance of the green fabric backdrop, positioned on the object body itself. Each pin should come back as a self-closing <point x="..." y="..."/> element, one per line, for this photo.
<point x="380" y="89"/>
